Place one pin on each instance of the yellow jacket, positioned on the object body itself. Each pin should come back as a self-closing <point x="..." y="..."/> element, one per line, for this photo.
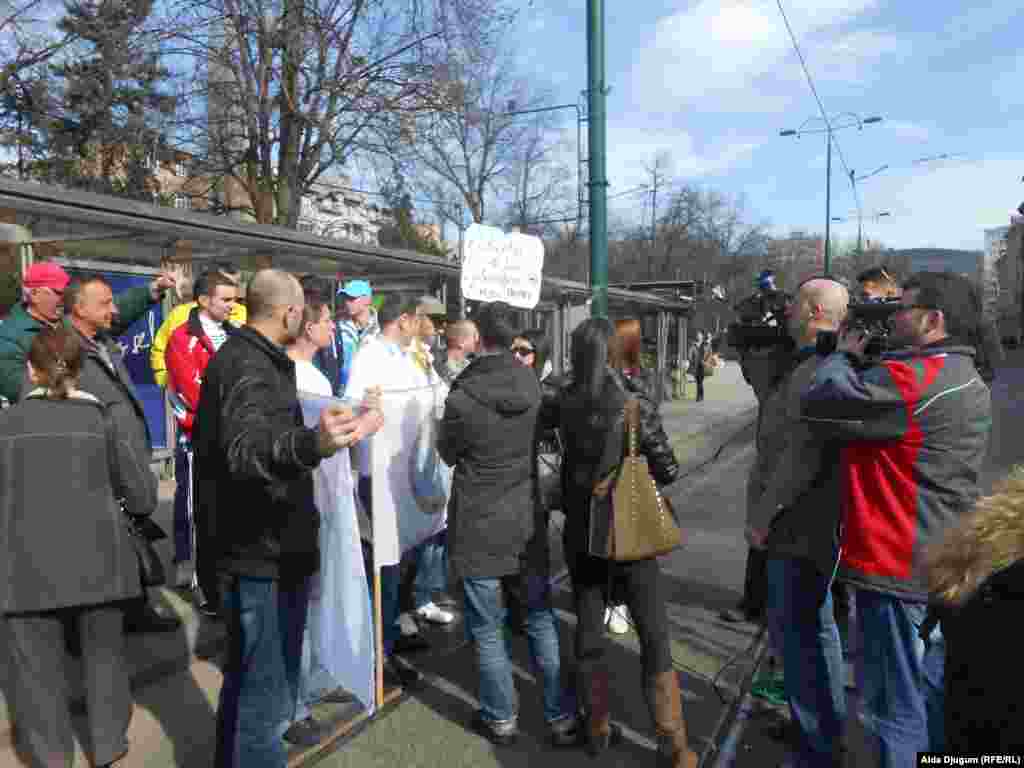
<point x="178" y="317"/>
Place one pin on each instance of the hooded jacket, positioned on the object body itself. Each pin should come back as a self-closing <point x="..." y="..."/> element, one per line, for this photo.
<point x="976" y="574"/>
<point x="488" y="435"/>
<point x="914" y="431"/>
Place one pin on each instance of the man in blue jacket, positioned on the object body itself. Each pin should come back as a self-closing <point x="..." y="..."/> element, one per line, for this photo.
<point x="914" y="430"/>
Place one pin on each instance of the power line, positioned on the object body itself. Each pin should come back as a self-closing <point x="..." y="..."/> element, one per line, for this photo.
<point x="817" y="98"/>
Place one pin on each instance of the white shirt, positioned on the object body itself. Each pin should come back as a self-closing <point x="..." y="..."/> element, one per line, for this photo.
<point x="214" y="331"/>
<point x="309" y="379"/>
<point x="379" y="363"/>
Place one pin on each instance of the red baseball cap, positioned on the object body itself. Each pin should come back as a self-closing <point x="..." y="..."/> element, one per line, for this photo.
<point x="46" y="274"/>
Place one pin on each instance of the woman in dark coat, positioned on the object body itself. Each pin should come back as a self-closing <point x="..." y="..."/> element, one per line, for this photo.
<point x="67" y="555"/>
<point x="587" y="412"/>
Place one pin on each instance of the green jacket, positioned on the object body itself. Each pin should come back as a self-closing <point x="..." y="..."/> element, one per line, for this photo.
<point x="20" y="328"/>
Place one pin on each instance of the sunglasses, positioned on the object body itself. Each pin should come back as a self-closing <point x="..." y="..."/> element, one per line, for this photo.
<point x="523" y="351"/>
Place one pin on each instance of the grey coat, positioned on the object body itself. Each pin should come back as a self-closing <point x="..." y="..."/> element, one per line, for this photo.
<point x="63" y="540"/>
<point x="114" y="388"/>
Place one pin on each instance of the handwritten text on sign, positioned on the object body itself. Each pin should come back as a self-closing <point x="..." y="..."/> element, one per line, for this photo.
<point x="500" y="267"/>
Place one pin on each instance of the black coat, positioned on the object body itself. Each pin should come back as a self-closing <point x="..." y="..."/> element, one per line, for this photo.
<point x="488" y="435"/>
<point x="63" y="540"/>
<point x="586" y="431"/>
<point x="254" y="462"/>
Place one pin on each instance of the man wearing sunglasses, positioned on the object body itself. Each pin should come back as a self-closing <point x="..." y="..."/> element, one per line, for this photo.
<point x="914" y="430"/>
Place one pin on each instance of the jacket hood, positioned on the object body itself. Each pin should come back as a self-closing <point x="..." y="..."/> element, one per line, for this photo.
<point x="985" y="542"/>
<point x="500" y="383"/>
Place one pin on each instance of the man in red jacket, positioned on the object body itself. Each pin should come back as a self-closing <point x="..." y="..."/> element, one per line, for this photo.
<point x="191" y="347"/>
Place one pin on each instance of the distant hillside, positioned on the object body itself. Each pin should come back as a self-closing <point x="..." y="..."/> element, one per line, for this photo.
<point x="940" y="259"/>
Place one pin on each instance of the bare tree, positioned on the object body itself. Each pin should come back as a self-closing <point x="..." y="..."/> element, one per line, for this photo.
<point x="469" y="143"/>
<point x="294" y="88"/>
<point x="544" y="186"/>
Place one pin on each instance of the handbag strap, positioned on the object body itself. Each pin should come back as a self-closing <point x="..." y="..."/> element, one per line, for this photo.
<point x="110" y="431"/>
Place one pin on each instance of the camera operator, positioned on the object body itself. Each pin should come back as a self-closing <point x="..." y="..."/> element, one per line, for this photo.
<point x="914" y="428"/>
<point x="794" y="517"/>
<point x="877" y="284"/>
<point x="766" y="355"/>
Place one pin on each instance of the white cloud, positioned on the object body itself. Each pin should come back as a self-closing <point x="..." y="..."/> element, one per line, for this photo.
<point x="945" y="205"/>
<point x="905" y="130"/>
<point x="736" y="55"/>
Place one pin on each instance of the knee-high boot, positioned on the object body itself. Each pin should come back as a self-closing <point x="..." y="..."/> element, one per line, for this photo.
<point x="593" y="692"/>
<point x="666" y="706"/>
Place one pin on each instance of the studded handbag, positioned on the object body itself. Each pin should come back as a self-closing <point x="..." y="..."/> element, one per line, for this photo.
<point x="629" y="518"/>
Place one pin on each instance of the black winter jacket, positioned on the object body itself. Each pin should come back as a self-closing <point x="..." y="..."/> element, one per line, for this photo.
<point x="585" y="431"/>
<point x="488" y="435"/>
<point x="254" y="467"/>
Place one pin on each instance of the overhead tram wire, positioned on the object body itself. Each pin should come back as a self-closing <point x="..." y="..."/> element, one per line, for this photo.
<point x="817" y="98"/>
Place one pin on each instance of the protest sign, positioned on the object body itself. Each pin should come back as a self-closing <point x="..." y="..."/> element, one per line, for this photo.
<point x="502" y="267"/>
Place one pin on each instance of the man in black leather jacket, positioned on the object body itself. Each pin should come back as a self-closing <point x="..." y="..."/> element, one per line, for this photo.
<point x="256" y="522"/>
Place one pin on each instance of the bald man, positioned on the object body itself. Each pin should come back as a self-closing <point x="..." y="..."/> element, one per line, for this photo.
<point x="256" y="522"/>
<point x="793" y="515"/>
<point x="462" y="340"/>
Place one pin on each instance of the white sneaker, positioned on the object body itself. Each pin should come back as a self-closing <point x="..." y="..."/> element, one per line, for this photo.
<point x="407" y="625"/>
<point x="434" y="614"/>
<point x="618" y="620"/>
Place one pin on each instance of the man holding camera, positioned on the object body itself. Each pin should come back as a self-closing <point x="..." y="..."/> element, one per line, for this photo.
<point x="914" y="428"/>
<point x="793" y="516"/>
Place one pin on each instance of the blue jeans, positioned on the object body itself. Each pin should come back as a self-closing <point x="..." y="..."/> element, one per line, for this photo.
<point x="182" y="499"/>
<point x="265" y="622"/>
<point x="901" y="681"/>
<point x="804" y="628"/>
<point x="485" y="624"/>
<point x="432" y="569"/>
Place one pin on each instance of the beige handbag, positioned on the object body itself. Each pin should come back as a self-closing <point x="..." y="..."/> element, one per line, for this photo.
<point x="629" y="518"/>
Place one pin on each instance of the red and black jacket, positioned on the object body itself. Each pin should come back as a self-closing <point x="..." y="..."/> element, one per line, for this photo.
<point x="189" y="351"/>
<point x="914" y="430"/>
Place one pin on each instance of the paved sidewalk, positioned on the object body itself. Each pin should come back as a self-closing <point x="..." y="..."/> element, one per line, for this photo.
<point x="176" y="678"/>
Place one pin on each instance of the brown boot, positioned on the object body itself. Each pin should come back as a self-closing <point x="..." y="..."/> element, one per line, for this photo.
<point x="666" y="705"/>
<point x="594" y="696"/>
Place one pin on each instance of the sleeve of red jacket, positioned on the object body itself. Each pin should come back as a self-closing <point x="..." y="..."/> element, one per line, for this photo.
<point x="183" y="374"/>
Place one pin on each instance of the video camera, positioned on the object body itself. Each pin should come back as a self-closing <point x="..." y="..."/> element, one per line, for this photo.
<point x="870" y="316"/>
<point x="762" y="321"/>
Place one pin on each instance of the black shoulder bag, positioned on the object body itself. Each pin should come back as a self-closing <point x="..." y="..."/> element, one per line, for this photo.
<point x="141" y="529"/>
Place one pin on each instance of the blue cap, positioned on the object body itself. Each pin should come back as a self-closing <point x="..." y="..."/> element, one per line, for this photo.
<point x="355" y="289"/>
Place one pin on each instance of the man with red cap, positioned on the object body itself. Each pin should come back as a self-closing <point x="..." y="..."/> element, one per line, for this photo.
<point x="42" y="305"/>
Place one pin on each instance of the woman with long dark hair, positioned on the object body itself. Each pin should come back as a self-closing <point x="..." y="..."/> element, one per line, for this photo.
<point x="67" y="554"/>
<point x="587" y="412"/>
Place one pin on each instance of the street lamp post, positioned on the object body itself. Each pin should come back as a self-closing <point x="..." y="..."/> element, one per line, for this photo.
<point x="832" y="124"/>
<point x="860" y="223"/>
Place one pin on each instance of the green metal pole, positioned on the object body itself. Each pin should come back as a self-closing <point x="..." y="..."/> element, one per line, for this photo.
<point x="598" y="180"/>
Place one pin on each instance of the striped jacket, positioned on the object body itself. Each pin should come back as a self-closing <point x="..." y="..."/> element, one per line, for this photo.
<point x="914" y="430"/>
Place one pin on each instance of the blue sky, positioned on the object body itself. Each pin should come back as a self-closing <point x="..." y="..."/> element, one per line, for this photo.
<point x="713" y="82"/>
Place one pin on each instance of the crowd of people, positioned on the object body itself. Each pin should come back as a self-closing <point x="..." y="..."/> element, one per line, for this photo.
<point x="518" y="442"/>
<point x="865" y="465"/>
<point x="866" y="470"/>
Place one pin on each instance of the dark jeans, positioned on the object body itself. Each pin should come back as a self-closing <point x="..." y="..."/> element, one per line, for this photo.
<point x="642" y="589"/>
<point x="755" y="585"/>
<point x="803" y="628"/>
<point x="700" y="387"/>
<point x="265" y="621"/>
<point x="183" y="500"/>
<point x="390" y="578"/>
